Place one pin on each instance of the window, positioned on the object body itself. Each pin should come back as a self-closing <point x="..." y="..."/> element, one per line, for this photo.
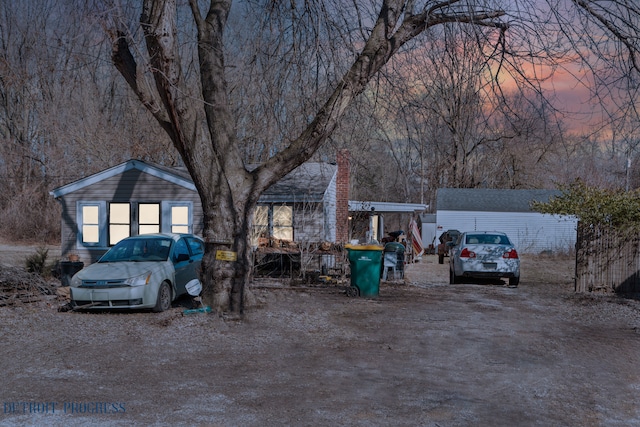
<point x="91" y="220"/>
<point x="273" y="221"/>
<point x="148" y="218"/>
<point x="101" y="224"/>
<point x="196" y="246"/>
<point x="90" y="233"/>
<point x="283" y="222"/>
<point x="119" y="222"/>
<point x="177" y="217"/>
<point x="180" y="248"/>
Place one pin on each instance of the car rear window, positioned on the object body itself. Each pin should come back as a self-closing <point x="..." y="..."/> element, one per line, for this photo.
<point x="487" y="239"/>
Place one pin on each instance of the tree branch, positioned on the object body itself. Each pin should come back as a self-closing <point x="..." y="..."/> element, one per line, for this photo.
<point x="125" y="63"/>
<point x="624" y="39"/>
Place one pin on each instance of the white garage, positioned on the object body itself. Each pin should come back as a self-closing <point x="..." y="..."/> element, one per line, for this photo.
<point x="509" y="211"/>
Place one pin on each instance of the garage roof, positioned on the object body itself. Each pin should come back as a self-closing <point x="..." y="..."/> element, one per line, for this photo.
<point x="490" y="200"/>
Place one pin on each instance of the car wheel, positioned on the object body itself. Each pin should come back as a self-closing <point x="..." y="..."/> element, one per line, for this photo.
<point x="514" y="281"/>
<point x="163" y="302"/>
<point x="440" y="258"/>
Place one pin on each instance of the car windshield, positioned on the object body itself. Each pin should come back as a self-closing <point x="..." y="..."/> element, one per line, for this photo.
<point x="487" y="239"/>
<point x="139" y="249"/>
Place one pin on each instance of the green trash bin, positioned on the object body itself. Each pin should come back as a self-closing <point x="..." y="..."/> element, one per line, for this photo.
<point x="365" y="262"/>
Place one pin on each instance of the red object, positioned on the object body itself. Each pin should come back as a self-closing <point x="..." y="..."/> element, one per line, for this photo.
<point x="512" y="253"/>
<point x="466" y="253"/>
<point x="416" y="240"/>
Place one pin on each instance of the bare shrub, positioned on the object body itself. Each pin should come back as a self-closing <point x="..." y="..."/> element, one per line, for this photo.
<point x="31" y="216"/>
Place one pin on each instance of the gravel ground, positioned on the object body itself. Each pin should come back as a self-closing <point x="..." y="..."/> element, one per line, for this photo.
<point x="423" y="353"/>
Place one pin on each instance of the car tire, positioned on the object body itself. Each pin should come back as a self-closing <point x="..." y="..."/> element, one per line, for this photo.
<point x="440" y="258"/>
<point x="453" y="279"/>
<point x="163" y="302"/>
<point x="514" y="281"/>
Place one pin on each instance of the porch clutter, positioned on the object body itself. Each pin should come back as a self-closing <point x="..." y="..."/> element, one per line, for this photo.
<point x="393" y="260"/>
<point x="309" y="261"/>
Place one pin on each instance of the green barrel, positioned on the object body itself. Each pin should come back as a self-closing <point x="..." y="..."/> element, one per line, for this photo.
<point x="366" y="263"/>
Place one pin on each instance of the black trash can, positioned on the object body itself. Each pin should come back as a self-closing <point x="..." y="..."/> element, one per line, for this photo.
<point x="68" y="269"/>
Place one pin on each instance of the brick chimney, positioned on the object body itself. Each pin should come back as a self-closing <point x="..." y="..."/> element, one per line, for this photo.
<point x="342" y="197"/>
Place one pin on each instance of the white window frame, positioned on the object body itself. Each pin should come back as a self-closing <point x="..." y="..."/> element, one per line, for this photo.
<point x="129" y="224"/>
<point x="139" y="224"/>
<point x="102" y="224"/>
<point x="103" y="220"/>
<point x="166" y="220"/>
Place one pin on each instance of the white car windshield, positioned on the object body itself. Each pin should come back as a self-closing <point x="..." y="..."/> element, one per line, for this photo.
<point x="139" y="249"/>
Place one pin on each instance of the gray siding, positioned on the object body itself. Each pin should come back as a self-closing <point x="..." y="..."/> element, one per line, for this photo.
<point x="308" y="222"/>
<point x="131" y="186"/>
<point x="330" y="207"/>
<point x="530" y="232"/>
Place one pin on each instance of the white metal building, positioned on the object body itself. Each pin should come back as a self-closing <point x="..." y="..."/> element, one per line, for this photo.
<point x="508" y="211"/>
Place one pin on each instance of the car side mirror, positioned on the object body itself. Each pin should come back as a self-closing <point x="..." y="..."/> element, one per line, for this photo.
<point x="182" y="257"/>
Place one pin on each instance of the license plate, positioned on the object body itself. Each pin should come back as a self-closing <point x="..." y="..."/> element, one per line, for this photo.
<point x="490" y="265"/>
<point x="99" y="296"/>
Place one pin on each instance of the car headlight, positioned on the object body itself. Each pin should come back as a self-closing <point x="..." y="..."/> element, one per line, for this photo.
<point x="140" y="280"/>
<point x="76" y="281"/>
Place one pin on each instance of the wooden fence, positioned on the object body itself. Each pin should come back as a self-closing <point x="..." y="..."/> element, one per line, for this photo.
<point x="607" y="259"/>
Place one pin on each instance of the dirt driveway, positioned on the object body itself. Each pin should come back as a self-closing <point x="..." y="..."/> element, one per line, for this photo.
<point x="423" y="353"/>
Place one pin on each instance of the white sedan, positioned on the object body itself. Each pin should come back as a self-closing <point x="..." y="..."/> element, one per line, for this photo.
<point x="484" y="255"/>
<point x="140" y="272"/>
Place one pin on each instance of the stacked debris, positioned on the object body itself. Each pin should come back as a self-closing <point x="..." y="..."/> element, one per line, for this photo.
<point x="17" y="286"/>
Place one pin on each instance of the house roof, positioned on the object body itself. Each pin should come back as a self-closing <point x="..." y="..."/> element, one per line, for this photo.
<point x="490" y="200"/>
<point x="178" y="176"/>
<point x="309" y="181"/>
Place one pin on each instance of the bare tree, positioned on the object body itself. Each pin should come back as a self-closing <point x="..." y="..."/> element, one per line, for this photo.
<point x="341" y="47"/>
<point x="64" y="112"/>
<point x="205" y="135"/>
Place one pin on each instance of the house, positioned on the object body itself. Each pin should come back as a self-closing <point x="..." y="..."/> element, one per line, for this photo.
<point x="508" y="211"/>
<point x="138" y="197"/>
<point x="301" y="207"/>
<point x="297" y="220"/>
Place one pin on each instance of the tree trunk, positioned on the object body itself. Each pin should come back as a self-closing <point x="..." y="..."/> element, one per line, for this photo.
<point x="226" y="265"/>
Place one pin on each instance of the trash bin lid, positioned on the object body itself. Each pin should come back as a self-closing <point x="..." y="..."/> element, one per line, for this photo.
<point x="364" y="247"/>
<point x="394" y="247"/>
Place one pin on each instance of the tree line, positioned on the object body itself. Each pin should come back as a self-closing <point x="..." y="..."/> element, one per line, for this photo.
<point x="427" y="123"/>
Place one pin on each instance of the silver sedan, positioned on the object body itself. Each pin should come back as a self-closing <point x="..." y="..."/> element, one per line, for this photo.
<point x="146" y="271"/>
<point x="484" y="255"/>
